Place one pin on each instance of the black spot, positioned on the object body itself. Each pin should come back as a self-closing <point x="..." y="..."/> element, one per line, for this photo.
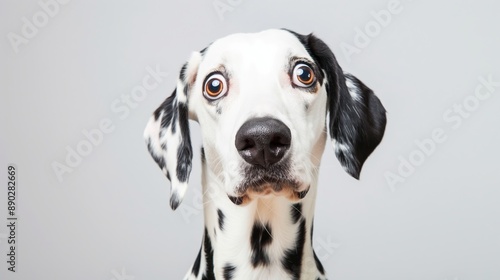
<point x="236" y="200"/>
<point x="221" y="219"/>
<point x="209" y="257"/>
<point x="261" y="237"/>
<point x="185" y="151"/>
<point x="228" y="271"/>
<point x="296" y="212"/>
<point x="203" y="159"/>
<point x="312" y="229"/>
<point x="157" y="113"/>
<point x="203" y="51"/>
<point x="165" y="104"/>
<point x="182" y="74"/>
<point x="173" y="123"/>
<point x="293" y="257"/>
<point x="174" y="200"/>
<point x="303" y="194"/>
<point x="169" y="109"/>
<point x="318" y="264"/>
<point x="196" y="265"/>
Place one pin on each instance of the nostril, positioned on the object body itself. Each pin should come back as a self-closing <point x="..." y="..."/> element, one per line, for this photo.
<point x="245" y="144"/>
<point x="279" y="141"/>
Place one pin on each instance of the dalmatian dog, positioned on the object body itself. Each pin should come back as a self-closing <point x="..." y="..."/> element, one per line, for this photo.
<point x="265" y="103"/>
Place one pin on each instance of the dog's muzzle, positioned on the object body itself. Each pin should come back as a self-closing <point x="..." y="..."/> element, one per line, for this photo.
<point x="264" y="144"/>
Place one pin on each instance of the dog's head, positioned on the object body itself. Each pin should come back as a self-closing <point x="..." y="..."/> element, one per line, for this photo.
<point x="262" y="101"/>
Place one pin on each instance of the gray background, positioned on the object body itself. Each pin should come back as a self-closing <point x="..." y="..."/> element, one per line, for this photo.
<point x="109" y="218"/>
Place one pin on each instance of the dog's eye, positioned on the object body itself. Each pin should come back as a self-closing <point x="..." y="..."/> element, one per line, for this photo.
<point x="215" y="86"/>
<point x="303" y="75"/>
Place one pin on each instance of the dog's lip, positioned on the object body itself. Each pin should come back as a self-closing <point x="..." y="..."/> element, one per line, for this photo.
<point x="250" y="194"/>
<point x="276" y="182"/>
<point x="237" y="200"/>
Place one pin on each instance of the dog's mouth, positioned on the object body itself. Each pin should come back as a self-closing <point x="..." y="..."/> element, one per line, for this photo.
<point x="274" y="180"/>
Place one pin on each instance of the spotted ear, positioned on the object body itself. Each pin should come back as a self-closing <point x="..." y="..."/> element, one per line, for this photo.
<point x="357" y="122"/>
<point x="356" y="116"/>
<point x="167" y="133"/>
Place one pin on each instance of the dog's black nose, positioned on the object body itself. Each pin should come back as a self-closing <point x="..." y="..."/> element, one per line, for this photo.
<point x="263" y="141"/>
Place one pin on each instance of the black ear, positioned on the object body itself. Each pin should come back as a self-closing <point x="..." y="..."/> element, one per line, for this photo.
<point x="357" y="123"/>
<point x="167" y="134"/>
<point x="357" y="118"/>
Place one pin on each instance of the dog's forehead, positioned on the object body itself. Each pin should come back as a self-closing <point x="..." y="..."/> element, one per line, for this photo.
<point x="268" y="46"/>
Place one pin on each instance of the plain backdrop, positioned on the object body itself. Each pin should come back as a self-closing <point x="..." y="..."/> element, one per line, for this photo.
<point x="437" y="217"/>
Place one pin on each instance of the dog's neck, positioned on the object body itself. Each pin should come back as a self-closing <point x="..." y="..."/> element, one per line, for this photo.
<point x="268" y="238"/>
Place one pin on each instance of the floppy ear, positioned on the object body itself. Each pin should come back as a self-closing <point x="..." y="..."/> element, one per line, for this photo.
<point x="357" y="122"/>
<point x="167" y="133"/>
<point x="356" y="116"/>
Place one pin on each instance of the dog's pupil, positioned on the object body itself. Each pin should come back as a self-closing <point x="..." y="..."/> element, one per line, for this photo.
<point x="304" y="74"/>
<point x="214" y="86"/>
